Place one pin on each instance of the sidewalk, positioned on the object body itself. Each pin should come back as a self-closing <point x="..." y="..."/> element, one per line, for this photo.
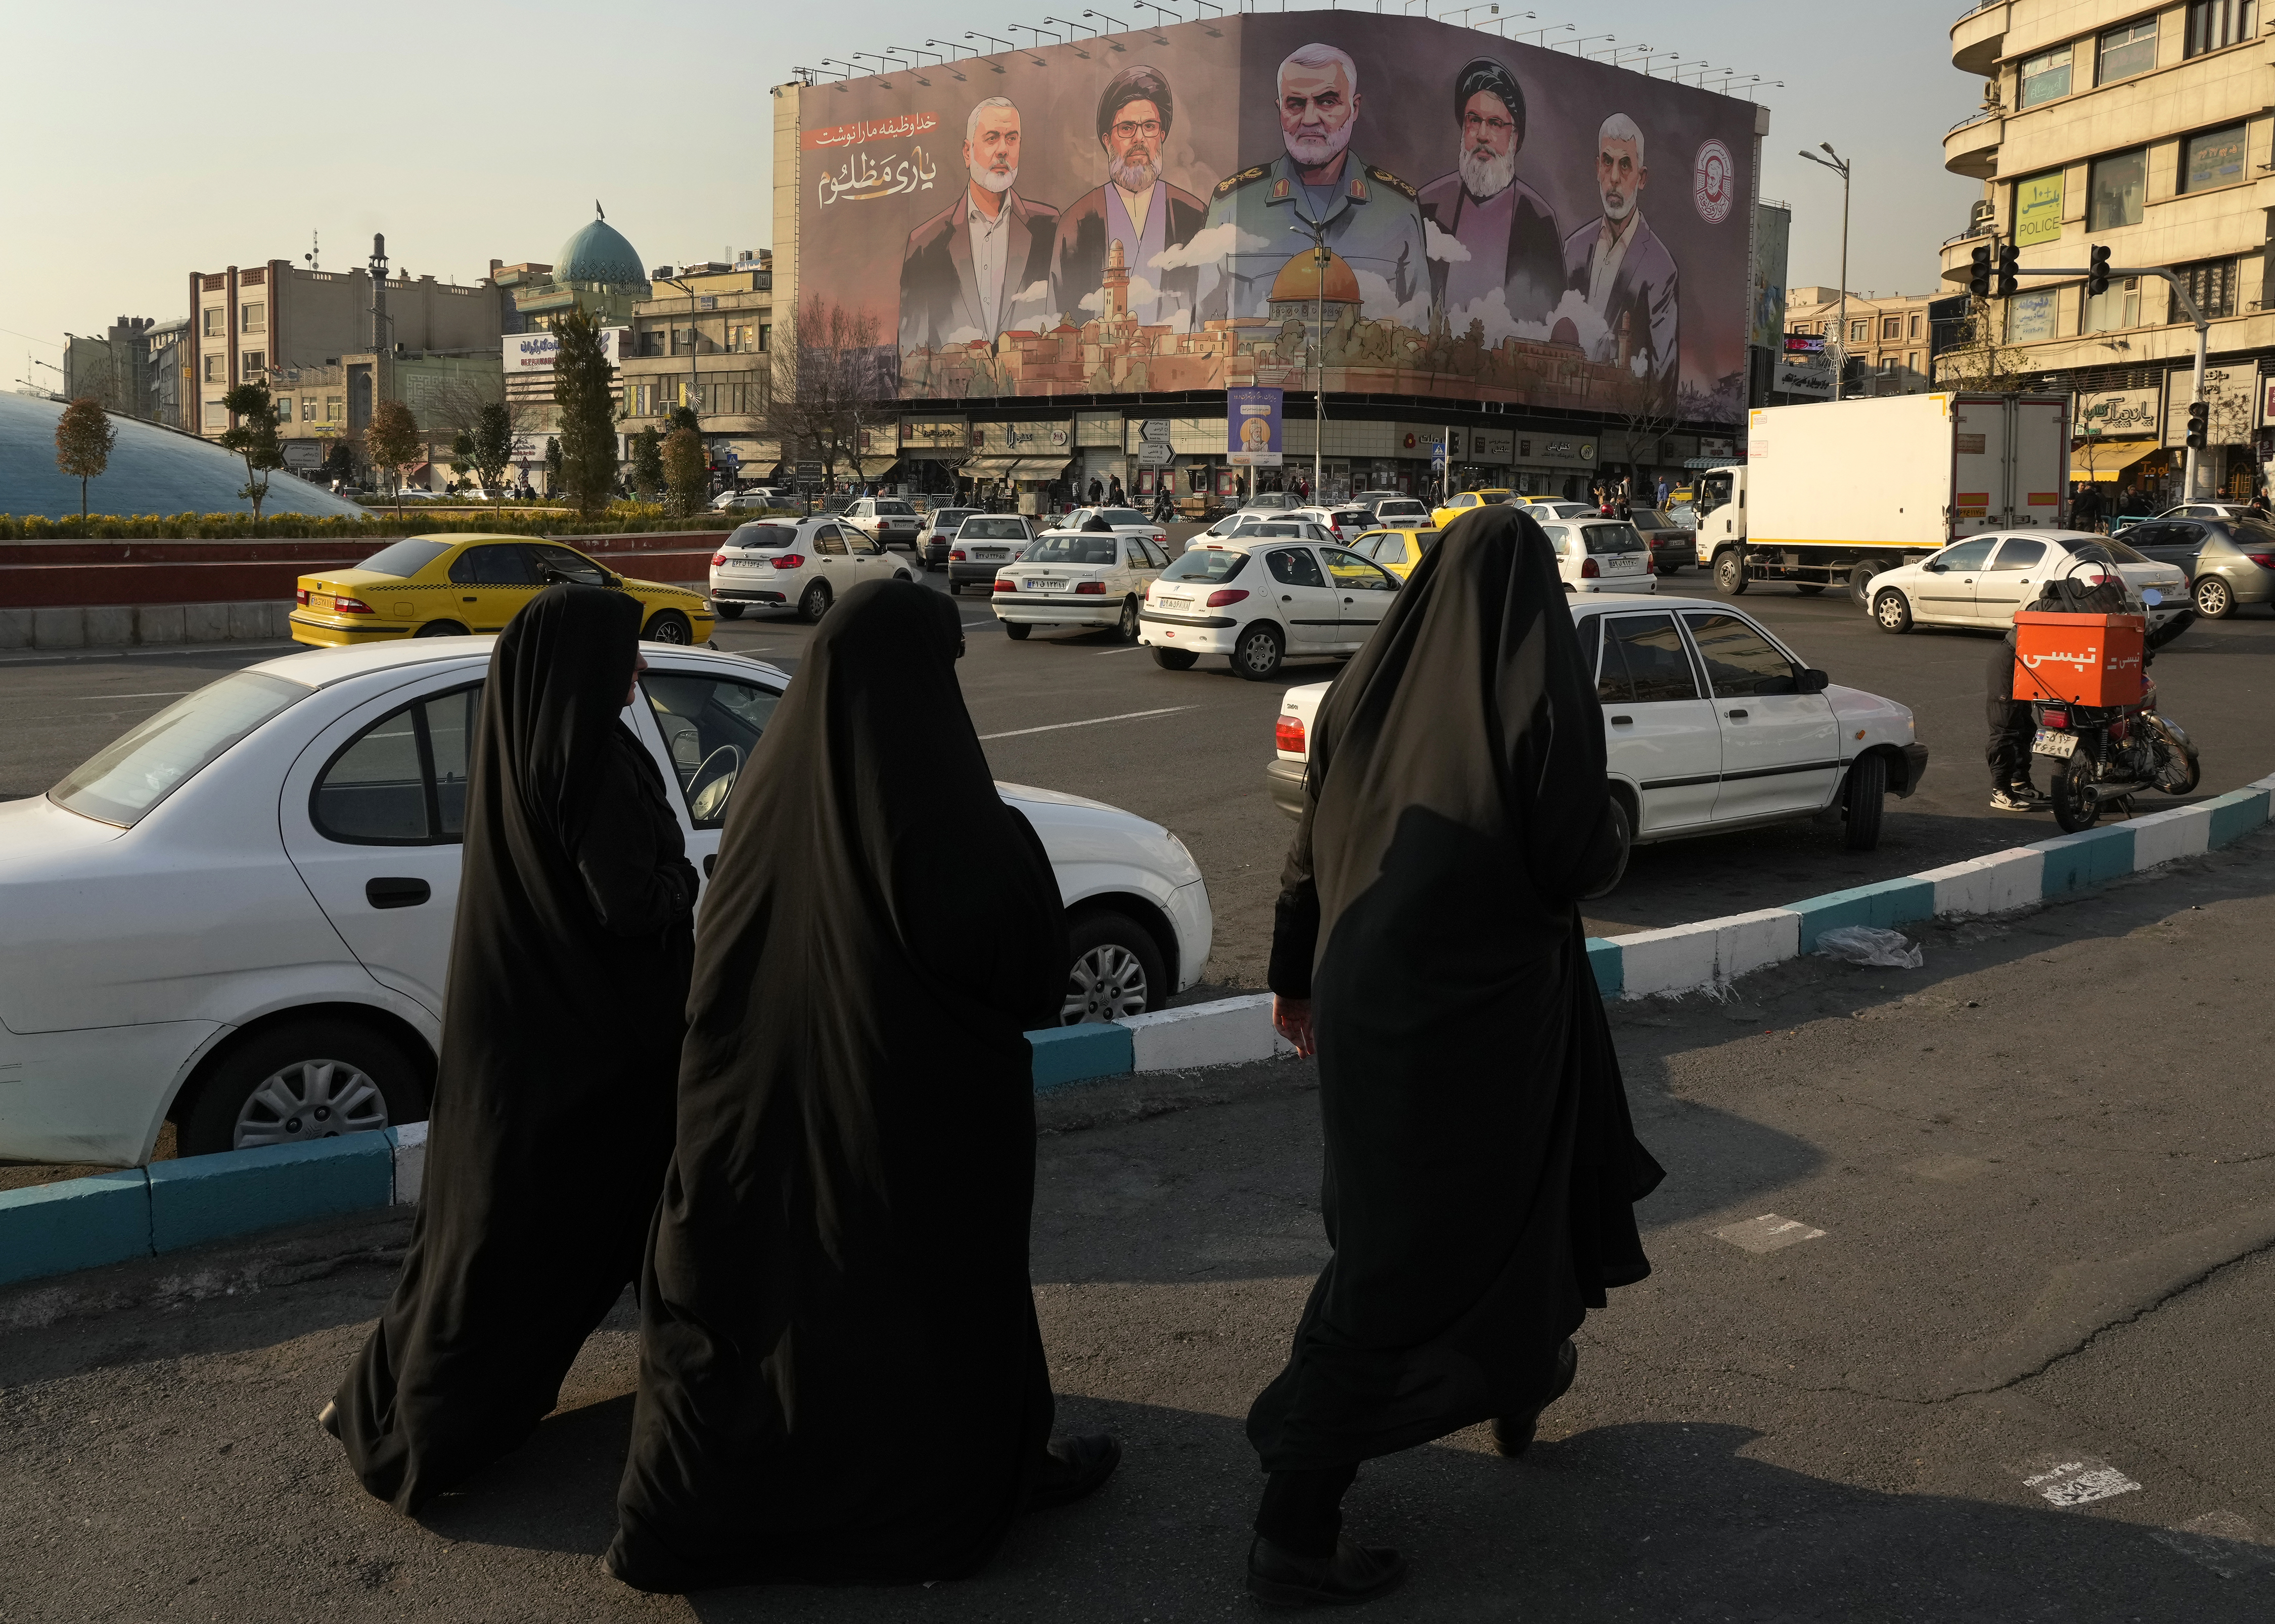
<point x="2014" y="1371"/>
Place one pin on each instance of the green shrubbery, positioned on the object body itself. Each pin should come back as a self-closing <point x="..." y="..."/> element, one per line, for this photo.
<point x="623" y="518"/>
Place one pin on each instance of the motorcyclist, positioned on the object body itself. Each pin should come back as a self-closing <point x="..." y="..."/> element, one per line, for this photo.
<point x="2089" y="586"/>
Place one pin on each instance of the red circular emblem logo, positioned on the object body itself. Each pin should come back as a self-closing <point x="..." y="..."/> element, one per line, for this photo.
<point x="1713" y="182"/>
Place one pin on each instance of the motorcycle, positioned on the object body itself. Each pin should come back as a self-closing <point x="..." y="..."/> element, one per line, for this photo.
<point x="2104" y="755"/>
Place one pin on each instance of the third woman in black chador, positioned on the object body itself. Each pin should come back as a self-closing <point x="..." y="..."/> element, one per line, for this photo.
<point x="1481" y="1167"/>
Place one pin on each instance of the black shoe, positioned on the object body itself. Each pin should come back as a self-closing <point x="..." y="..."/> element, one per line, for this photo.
<point x="2019" y="798"/>
<point x="1071" y="1468"/>
<point x="328" y="1417"/>
<point x="1513" y="1434"/>
<point x="1279" y="1577"/>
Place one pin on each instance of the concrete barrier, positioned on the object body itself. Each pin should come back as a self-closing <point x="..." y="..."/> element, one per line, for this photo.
<point x="75" y="1224"/>
<point x="121" y="625"/>
<point x="201" y="1199"/>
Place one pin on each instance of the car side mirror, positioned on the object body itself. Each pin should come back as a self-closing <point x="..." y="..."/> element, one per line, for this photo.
<point x="1935" y="569"/>
<point x="1809" y="680"/>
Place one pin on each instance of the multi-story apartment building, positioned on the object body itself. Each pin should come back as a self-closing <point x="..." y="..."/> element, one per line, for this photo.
<point x="1888" y="343"/>
<point x="705" y="341"/>
<point x="2144" y="128"/>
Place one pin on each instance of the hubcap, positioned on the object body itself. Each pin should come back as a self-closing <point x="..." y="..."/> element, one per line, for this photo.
<point x="2212" y="596"/>
<point x="1892" y="613"/>
<point x="671" y="631"/>
<point x="1258" y="653"/>
<point x="1105" y="983"/>
<point x="309" y="1100"/>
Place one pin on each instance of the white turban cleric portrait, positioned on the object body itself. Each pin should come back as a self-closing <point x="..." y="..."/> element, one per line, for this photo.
<point x="982" y="264"/>
<point x="1622" y="269"/>
<point x="1365" y="215"/>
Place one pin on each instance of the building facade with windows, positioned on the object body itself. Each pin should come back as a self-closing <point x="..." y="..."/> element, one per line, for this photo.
<point x="704" y="340"/>
<point x="1888" y="343"/>
<point x="2148" y="130"/>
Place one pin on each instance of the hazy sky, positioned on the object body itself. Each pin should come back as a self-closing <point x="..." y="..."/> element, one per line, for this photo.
<point x="144" y="140"/>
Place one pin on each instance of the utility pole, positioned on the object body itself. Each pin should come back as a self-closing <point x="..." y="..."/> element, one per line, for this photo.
<point x="1838" y="165"/>
<point x="1320" y="257"/>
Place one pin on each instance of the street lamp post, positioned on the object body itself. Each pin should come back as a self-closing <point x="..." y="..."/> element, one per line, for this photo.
<point x="1838" y="165"/>
<point x="1318" y="234"/>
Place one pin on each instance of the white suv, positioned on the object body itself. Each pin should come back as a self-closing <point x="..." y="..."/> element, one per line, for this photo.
<point x="1260" y="600"/>
<point x="887" y="519"/>
<point x="805" y="564"/>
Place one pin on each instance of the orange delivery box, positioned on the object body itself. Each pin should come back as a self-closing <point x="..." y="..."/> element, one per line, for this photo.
<point x="2092" y="660"/>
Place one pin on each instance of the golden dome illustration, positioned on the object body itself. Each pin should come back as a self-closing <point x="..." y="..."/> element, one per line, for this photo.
<point x="1299" y="280"/>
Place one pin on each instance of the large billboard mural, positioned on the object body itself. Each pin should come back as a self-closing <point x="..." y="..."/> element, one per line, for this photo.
<point x="1140" y="212"/>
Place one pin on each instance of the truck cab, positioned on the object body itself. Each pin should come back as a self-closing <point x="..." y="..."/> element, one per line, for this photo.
<point x="1719" y="498"/>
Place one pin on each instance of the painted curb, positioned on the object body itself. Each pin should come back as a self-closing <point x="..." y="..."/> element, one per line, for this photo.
<point x="76" y="1224"/>
<point x="201" y="1199"/>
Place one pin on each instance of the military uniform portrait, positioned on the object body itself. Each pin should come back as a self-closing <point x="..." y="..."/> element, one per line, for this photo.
<point x="1503" y="235"/>
<point x="981" y="266"/>
<point x="1367" y="214"/>
<point x="1134" y="206"/>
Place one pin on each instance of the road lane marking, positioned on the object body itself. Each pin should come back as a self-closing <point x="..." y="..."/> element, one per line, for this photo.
<point x="2079" y="1481"/>
<point x="1131" y="648"/>
<point x="1767" y="1232"/>
<point x="1055" y="727"/>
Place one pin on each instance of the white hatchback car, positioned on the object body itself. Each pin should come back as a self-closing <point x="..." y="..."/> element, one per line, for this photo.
<point x="1710" y="724"/>
<point x="1260" y="600"/>
<point x="1983" y="580"/>
<point x="801" y="564"/>
<point x="238" y="915"/>
<point x="1078" y="580"/>
<point x="1601" y="555"/>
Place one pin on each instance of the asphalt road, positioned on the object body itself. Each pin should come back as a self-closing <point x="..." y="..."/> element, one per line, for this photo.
<point x="1089" y="715"/>
<point x="2016" y="1371"/>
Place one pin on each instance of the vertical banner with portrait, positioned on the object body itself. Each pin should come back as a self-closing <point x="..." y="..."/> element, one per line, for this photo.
<point x="1251" y="427"/>
<point x="1140" y="214"/>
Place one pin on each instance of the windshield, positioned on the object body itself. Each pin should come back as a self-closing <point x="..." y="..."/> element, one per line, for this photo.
<point x="949" y="518"/>
<point x="1611" y="539"/>
<point x="1389" y="509"/>
<point x="405" y="559"/>
<point x="899" y="510"/>
<point x="1096" y="550"/>
<point x="763" y="535"/>
<point x="2108" y="552"/>
<point x="1649" y="518"/>
<point x="1712" y="492"/>
<point x="148" y="763"/>
<point x="993" y="529"/>
<point x="1205" y="564"/>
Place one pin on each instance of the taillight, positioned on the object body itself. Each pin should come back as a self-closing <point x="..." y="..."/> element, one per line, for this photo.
<point x="2054" y="719"/>
<point x="1288" y="734"/>
<point x="1230" y="594"/>
<point x="955" y="555"/>
<point x="1588" y="571"/>
<point x="1160" y="539"/>
<point x="349" y="606"/>
<point x="788" y="561"/>
<point x="1003" y="586"/>
<point x="2265" y="561"/>
<point x="302" y="595"/>
<point x="718" y="558"/>
<point x="1091" y="589"/>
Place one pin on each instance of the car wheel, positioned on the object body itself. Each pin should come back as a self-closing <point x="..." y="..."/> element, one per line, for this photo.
<point x="1893" y="610"/>
<point x="1174" y="659"/>
<point x="814" y="603"/>
<point x="1016" y="631"/>
<point x="441" y="629"/>
<point x="1809" y="589"/>
<point x="1126" y="629"/>
<point x="670" y="626"/>
<point x="2215" y="598"/>
<point x="1257" y="656"/>
<point x="727" y="611"/>
<point x="1623" y="830"/>
<point x="1863" y="799"/>
<point x="956" y="589"/>
<point x="301" y="1081"/>
<point x="1730" y="572"/>
<point x="1117" y="969"/>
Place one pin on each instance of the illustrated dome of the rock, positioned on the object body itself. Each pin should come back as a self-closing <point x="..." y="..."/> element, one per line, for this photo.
<point x="598" y="253"/>
<point x="1299" y="279"/>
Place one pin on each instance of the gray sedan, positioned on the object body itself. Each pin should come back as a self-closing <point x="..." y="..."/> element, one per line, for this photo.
<point x="2229" y="562"/>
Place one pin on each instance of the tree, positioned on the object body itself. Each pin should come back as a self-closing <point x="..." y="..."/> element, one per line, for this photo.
<point x="84" y="436"/>
<point x="390" y="440"/>
<point x="824" y="384"/>
<point x="583" y="388"/>
<point x="648" y="463"/>
<point x="462" y="453"/>
<point x="1973" y="357"/>
<point x="340" y="461"/>
<point x="254" y="438"/>
<point x="1643" y="408"/>
<point x="684" y="417"/>
<point x="686" y="470"/>
<point x="493" y="449"/>
<point x="552" y="464"/>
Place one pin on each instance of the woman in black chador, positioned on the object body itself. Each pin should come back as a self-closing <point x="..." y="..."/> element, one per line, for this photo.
<point x="561" y="1030"/>
<point x="840" y="1374"/>
<point x="1480" y="1163"/>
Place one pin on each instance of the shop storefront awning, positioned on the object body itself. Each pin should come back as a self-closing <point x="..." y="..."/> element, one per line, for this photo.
<point x="2103" y="462"/>
<point x="876" y="467"/>
<point x="1712" y="462"/>
<point x="992" y="467"/>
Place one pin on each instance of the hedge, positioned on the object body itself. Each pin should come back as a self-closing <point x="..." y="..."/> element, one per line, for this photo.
<point x="629" y="518"/>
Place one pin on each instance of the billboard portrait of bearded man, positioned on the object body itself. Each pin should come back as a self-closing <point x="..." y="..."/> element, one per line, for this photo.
<point x="1507" y="231"/>
<point x="977" y="267"/>
<point x="1135" y="207"/>
<point x="1619" y="265"/>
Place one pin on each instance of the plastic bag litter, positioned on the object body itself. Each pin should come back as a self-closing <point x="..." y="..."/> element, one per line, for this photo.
<point x="1861" y="944"/>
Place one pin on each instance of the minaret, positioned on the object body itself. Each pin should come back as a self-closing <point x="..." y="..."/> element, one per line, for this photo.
<point x="378" y="270"/>
<point x="1117" y="285"/>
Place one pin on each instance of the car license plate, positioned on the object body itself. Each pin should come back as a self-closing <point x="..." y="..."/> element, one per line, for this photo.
<point x="2049" y="743"/>
<point x="1036" y="584"/>
<point x="984" y="554"/>
<point x="1627" y="563"/>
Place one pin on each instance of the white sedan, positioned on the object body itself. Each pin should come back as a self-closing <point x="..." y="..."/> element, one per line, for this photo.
<point x="1601" y="555"/>
<point x="806" y="564"/>
<point x="1984" y="579"/>
<point x="1078" y="580"/>
<point x="1765" y="740"/>
<point x="238" y="915"/>
<point x="1259" y="599"/>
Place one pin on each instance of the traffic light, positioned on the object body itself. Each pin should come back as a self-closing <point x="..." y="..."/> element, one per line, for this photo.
<point x="1978" y="277"/>
<point x="2009" y="257"/>
<point x="2199" y="426"/>
<point x="2096" y="275"/>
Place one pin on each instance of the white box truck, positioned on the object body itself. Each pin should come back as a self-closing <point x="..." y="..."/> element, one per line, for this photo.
<point x="1833" y="493"/>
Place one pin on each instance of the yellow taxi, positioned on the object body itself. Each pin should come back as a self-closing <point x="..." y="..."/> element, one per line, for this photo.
<point x="445" y="587"/>
<point x="1397" y="551"/>
<point x="1466" y="502"/>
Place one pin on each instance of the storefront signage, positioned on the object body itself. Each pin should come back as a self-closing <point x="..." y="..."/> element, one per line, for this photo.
<point x="936" y="435"/>
<point x="534" y="351"/>
<point x="2117" y="413"/>
<point x="2232" y="393"/>
<point x="1812" y="379"/>
<point x="1559" y="451"/>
